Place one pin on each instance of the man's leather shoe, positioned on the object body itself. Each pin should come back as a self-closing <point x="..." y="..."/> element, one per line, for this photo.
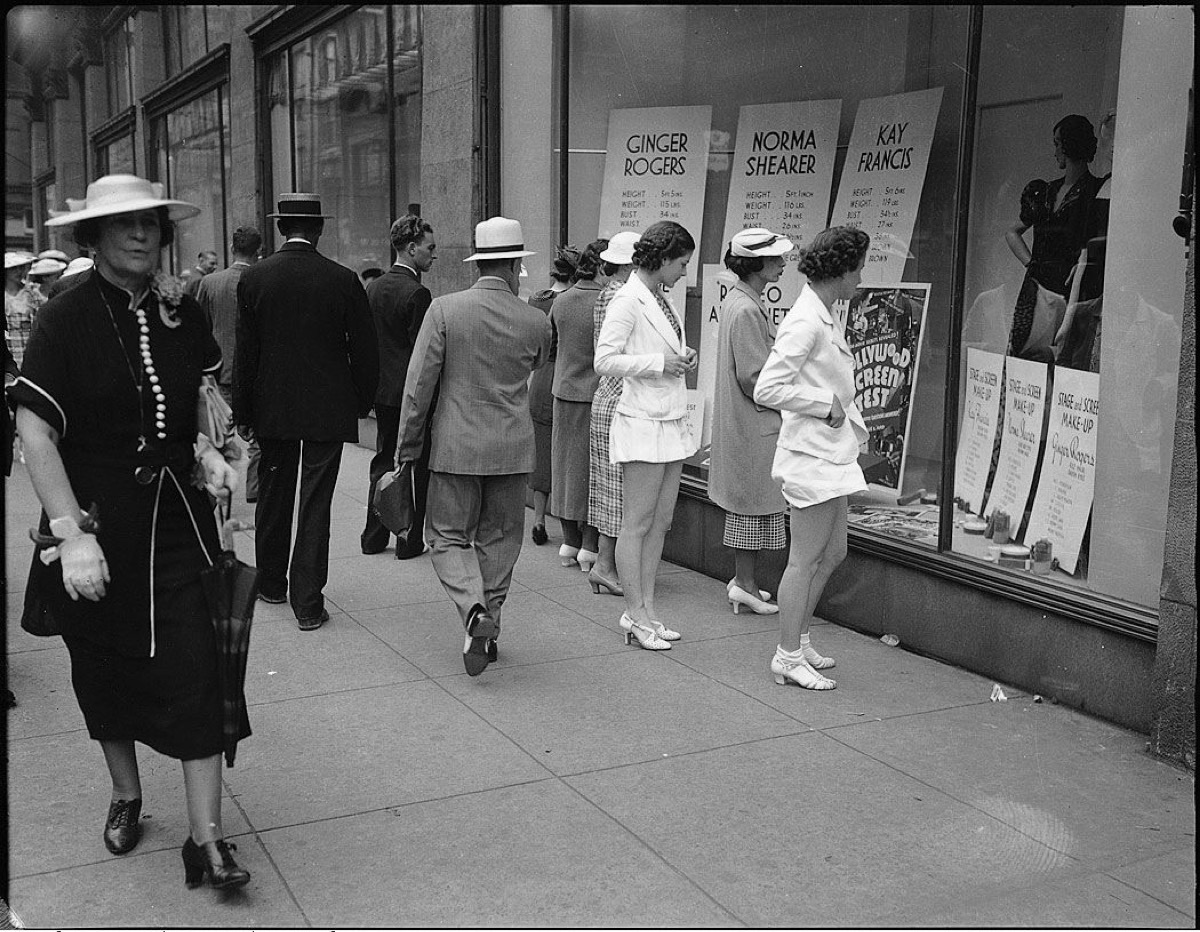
<point x="481" y="632"/>
<point x="371" y="549"/>
<point x="408" y="551"/>
<point x="311" y="624"/>
<point x="273" y="599"/>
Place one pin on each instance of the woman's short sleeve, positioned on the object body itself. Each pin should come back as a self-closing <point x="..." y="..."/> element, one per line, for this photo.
<point x="44" y="386"/>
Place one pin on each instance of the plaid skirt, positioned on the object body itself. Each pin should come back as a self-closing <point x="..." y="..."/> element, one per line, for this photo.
<point x="754" y="532"/>
<point x="604" y="479"/>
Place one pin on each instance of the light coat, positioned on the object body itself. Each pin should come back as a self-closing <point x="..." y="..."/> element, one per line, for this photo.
<point x="633" y="343"/>
<point x="809" y="364"/>
<point x="744" y="433"/>
<point x="476" y="349"/>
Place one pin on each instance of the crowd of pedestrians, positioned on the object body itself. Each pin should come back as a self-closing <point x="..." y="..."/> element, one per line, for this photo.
<point x="578" y="394"/>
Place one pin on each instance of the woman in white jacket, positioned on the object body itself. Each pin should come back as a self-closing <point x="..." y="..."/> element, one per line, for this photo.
<point x="809" y="377"/>
<point x="642" y="342"/>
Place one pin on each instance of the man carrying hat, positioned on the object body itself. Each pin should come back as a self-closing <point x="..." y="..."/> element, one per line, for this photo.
<point x="476" y="349"/>
<point x="306" y="367"/>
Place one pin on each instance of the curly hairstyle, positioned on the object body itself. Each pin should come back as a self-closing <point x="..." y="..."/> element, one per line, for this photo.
<point x="834" y="252"/>
<point x="1078" y="137"/>
<point x="1035" y="202"/>
<point x="662" y="242"/>
<point x="408" y="229"/>
<point x="589" y="261"/>
<point x="566" y="261"/>
<point x="742" y="266"/>
<point x="87" y="232"/>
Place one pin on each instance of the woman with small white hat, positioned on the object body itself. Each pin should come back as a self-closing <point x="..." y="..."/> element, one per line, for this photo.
<point x="108" y="406"/>
<point x="744" y="433"/>
<point x="70" y="276"/>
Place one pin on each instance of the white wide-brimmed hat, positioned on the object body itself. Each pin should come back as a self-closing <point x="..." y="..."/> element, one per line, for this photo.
<point x="759" y="242"/>
<point x="14" y="260"/>
<point x="54" y="254"/>
<point x="47" y="267"/>
<point x="75" y="266"/>
<point x="498" y="238"/>
<point x="121" y="194"/>
<point x="620" y="248"/>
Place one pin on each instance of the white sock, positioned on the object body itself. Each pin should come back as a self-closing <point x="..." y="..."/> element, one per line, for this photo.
<point x="789" y="656"/>
<point x="810" y="654"/>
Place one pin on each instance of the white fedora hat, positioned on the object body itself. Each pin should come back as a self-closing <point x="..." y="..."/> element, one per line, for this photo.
<point x="14" y="260"/>
<point x="47" y="267"/>
<point x="121" y="194"/>
<point x="82" y="264"/>
<point x="620" y="248"/>
<point x="758" y="242"/>
<point x="498" y="238"/>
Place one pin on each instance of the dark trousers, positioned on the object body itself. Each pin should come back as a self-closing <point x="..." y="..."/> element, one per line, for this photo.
<point x="316" y="462"/>
<point x="375" y="536"/>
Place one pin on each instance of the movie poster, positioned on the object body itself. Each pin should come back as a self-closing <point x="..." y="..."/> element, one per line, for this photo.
<point x="884" y="330"/>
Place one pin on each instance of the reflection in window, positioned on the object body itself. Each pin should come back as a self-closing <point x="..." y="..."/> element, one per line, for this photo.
<point x="328" y="98"/>
<point x="117" y="157"/>
<point x="119" y="67"/>
<point x="191" y="151"/>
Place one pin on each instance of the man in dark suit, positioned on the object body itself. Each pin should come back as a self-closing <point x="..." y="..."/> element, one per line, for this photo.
<point x="206" y="264"/>
<point x="217" y="294"/>
<point x="306" y="368"/>
<point x="398" y="304"/>
<point x="476" y="349"/>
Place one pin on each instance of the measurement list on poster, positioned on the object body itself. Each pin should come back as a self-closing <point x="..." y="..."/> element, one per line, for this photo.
<point x="656" y="168"/>
<point x="981" y="416"/>
<point x="1067" y="481"/>
<point x="1024" y="408"/>
<point x="884" y="174"/>
<point x="782" y="176"/>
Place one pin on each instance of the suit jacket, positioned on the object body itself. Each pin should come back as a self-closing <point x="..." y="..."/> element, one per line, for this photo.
<point x="743" y="433"/>
<point x="191" y="280"/>
<point x="476" y="348"/>
<point x="64" y="284"/>
<point x="217" y="294"/>
<point x="809" y="364"/>
<point x="307" y="361"/>
<point x="573" y="321"/>
<point x="634" y="340"/>
<point x="398" y="304"/>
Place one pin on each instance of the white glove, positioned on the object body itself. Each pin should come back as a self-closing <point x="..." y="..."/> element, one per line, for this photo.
<point x="220" y="479"/>
<point x="84" y="569"/>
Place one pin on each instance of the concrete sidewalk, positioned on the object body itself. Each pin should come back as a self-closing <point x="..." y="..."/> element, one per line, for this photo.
<point x="580" y="782"/>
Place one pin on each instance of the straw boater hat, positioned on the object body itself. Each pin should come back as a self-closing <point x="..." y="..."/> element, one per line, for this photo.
<point x="121" y="194"/>
<point x="498" y="238"/>
<point x="54" y="254"/>
<point x="47" y="267"/>
<point x="82" y="264"/>
<point x="14" y="260"/>
<point x="620" y="248"/>
<point x="303" y="206"/>
<point x="758" y="243"/>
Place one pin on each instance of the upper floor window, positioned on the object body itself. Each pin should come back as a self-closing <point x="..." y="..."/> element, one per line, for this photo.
<point x="192" y="31"/>
<point x="120" y="66"/>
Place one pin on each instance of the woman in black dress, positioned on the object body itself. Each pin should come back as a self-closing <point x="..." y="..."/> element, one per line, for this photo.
<point x="108" y="406"/>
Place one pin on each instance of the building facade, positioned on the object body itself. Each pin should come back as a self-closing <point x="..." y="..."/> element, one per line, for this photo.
<point x="938" y="129"/>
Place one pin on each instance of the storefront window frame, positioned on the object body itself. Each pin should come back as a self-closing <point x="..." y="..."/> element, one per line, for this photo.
<point x="123" y="125"/>
<point x="1083" y="605"/>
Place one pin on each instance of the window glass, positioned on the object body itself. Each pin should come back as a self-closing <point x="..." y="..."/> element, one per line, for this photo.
<point x="118" y="67"/>
<point x="186" y="36"/>
<point x="328" y="102"/>
<point x="190" y="150"/>
<point x="652" y="56"/>
<point x="1074" y="295"/>
<point x="117" y="157"/>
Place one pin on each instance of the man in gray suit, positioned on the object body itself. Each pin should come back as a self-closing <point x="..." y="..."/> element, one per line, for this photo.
<point x="476" y="348"/>
<point x="217" y="294"/>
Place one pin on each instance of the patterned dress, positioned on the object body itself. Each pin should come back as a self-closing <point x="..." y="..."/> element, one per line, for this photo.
<point x="604" y="478"/>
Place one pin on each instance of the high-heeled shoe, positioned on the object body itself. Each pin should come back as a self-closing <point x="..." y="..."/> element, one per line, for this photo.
<point x="212" y="862"/>
<point x="567" y="554"/>
<point x="664" y="632"/>
<point x="587" y="559"/>
<point x="762" y="593"/>
<point x="122" y="828"/>
<point x="538" y="534"/>
<point x="739" y="597"/>
<point x="645" y="635"/>
<point x="611" y="585"/>
<point x="799" y="673"/>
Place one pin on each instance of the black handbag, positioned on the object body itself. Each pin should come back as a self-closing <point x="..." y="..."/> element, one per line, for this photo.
<point x="37" y="618"/>
<point x="393" y="501"/>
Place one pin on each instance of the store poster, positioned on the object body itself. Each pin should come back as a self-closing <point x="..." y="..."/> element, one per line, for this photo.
<point x="884" y="331"/>
<point x="884" y="174"/>
<point x="1024" y="409"/>
<point x="716" y="283"/>
<point x="977" y="433"/>
<point x="782" y="175"/>
<point x="1067" y="481"/>
<point x="656" y="168"/>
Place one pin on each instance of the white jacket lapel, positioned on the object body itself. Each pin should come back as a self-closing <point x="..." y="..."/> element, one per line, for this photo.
<point x="655" y="314"/>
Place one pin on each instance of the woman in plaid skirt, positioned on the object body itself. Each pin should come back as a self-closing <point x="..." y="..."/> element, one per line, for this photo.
<point x="744" y="433"/>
